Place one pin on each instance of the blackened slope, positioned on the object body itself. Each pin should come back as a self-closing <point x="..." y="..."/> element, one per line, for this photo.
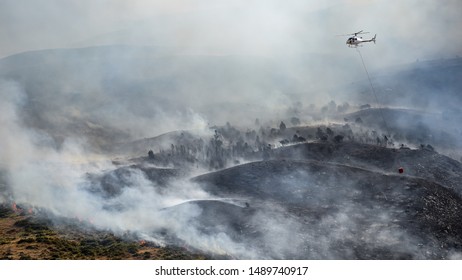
<point x="219" y="216"/>
<point x="360" y="214"/>
<point x="422" y="163"/>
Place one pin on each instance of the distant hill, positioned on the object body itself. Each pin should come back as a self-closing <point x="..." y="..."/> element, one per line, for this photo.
<point x="430" y="85"/>
<point x="117" y="93"/>
<point x="438" y="128"/>
<point x="125" y="90"/>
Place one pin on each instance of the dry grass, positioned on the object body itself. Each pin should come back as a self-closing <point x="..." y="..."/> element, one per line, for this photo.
<point x="25" y="237"/>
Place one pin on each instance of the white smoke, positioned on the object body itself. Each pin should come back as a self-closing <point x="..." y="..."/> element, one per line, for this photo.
<point x="57" y="181"/>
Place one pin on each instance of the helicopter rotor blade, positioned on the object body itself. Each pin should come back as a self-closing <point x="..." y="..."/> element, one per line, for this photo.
<point x="350" y="34"/>
<point x="353" y="34"/>
<point x="360" y="32"/>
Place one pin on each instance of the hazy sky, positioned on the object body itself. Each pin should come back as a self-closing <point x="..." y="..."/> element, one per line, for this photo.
<point x="407" y="30"/>
<point x="294" y="39"/>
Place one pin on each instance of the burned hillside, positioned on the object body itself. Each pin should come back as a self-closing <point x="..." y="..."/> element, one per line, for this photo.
<point x="295" y="190"/>
<point x="347" y="192"/>
<point x="359" y="214"/>
<point x="142" y="153"/>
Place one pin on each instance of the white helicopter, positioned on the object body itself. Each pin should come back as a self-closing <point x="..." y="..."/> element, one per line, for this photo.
<point x="355" y="40"/>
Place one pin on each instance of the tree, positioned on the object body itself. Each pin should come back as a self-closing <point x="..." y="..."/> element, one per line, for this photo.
<point x="217" y="160"/>
<point x="151" y="154"/>
<point x="343" y="108"/>
<point x="298" y="139"/>
<point x="257" y="122"/>
<point x="319" y="133"/>
<point x="282" y="126"/>
<point x="338" y="138"/>
<point x="329" y="132"/>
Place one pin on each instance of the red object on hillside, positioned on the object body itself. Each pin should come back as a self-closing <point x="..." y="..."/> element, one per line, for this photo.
<point x="401" y="170"/>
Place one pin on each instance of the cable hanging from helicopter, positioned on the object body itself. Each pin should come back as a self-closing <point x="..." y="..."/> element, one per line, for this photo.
<point x="354" y="42"/>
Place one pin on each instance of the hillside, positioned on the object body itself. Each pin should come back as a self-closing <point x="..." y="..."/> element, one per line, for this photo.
<point x="358" y="214"/>
<point x="316" y="200"/>
<point x="117" y="152"/>
<point x="26" y="236"/>
<point x="310" y="200"/>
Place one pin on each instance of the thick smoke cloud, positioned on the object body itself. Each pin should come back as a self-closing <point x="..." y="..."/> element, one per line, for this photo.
<point x="287" y="51"/>
<point x="408" y="30"/>
<point x="57" y="181"/>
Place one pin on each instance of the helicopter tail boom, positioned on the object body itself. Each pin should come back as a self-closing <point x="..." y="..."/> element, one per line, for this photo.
<point x="370" y="40"/>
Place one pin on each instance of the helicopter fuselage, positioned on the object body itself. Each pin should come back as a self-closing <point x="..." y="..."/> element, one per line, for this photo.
<point x="356" y="40"/>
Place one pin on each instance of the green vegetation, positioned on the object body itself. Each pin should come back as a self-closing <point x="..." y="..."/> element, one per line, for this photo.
<point x="5" y="211"/>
